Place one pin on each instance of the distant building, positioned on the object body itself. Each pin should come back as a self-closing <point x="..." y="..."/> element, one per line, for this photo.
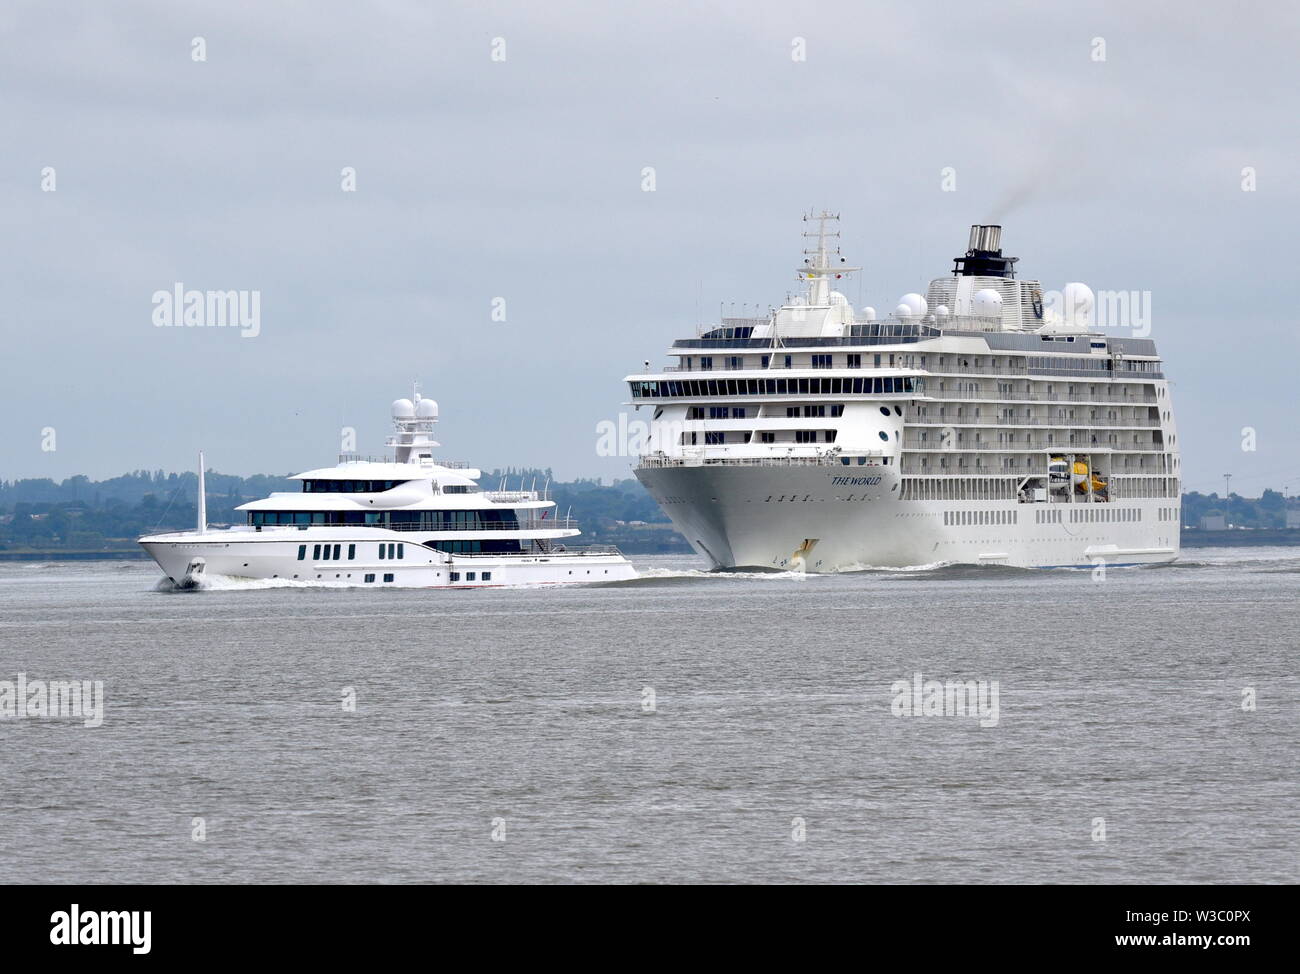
<point x="1293" y="518"/>
<point x="1214" y="522"/>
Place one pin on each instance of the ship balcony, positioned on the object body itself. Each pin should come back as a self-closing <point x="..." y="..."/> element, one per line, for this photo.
<point x="1013" y="422"/>
<point x="1026" y="446"/>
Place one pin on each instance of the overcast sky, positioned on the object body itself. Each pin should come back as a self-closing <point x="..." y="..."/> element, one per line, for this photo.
<point x="522" y="179"/>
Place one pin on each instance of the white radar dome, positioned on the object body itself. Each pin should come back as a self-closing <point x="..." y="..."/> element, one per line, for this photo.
<point x="916" y="303"/>
<point x="1078" y="301"/>
<point x="987" y="303"/>
<point x="403" y="409"/>
<point x="941" y="311"/>
<point x="837" y="298"/>
<point x="427" y="409"/>
<point x="868" y="314"/>
<point x="904" y="311"/>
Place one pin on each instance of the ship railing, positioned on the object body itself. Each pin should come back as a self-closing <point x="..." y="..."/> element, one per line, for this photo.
<point x="1058" y="422"/>
<point x="536" y="524"/>
<point x="516" y="496"/>
<point x="547" y="524"/>
<point x="359" y="458"/>
<point x="695" y="460"/>
<point x="1020" y="446"/>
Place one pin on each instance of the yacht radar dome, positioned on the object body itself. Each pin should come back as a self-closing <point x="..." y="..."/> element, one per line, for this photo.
<point x="988" y="303"/>
<point x="403" y="409"/>
<point x="427" y="409"/>
<point x="917" y="303"/>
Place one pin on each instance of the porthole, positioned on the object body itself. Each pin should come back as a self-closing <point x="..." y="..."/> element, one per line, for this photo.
<point x="884" y="410"/>
<point x="897" y="411"/>
<point x="884" y="436"/>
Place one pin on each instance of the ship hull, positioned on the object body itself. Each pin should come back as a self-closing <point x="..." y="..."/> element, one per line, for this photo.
<point x="190" y="560"/>
<point x="826" y="518"/>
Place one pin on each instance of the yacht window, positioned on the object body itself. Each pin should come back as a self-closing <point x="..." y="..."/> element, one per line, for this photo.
<point x="352" y="551"/>
<point x="388" y="576"/>
<point x="469" y="576"/>
<point x="302" y="552"/>
<point x="315" y="553"/>
<point x="487" y="576"/>
<point x="370" y="576"/>
<point x="381" y="552"/>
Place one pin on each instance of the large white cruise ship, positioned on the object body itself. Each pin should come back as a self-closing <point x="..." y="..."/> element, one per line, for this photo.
<point x="974" y="425"/>
<point x="410" y="520"/>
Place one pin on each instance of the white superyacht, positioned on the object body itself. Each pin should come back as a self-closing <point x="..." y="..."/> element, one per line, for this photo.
<point x="411" y="520"/>
<point x="974" y="425"/>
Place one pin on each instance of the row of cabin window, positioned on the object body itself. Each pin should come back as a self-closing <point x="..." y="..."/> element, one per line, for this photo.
<point x="819" y="361"/>
<point x="743" y="412"/>
<point x="328" y="552"/>
<point x="815" y="386"/>
<point x="720" y="438"/>
<point x="428" y="520"/>
<point x="454" y="576"/>
<point x="952" y="518"/>
<point x="348" y="486"/>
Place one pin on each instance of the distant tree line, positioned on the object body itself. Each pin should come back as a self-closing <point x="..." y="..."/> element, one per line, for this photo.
<point x="83" y="514"/>
<point x="1266" y="511"/>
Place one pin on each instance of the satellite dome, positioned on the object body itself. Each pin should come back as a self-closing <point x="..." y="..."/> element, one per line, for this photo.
<point x="1078" y="302"/>
<point x="837" y="298"/>
<point x="403" y="409"/>
<point x="868" y="314"/>
<point x="988" y="303"/>
<point x="427" y="409"/>
<point x="941" y="311"/>
<point x="916" y="303"/>
<point x="904" y="311"/>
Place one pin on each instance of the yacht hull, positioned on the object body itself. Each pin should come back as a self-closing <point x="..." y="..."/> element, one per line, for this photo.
<point x="289" y="555"/>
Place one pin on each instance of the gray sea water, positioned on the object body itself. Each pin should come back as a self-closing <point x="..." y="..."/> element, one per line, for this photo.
<point x="508" y="735"/>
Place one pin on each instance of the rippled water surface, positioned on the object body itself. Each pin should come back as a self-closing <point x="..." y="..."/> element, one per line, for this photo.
<point x="524" y="713"/>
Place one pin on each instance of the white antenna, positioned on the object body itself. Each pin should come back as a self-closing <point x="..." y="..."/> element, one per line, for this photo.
<point x="817" y="269"/>
<point x="202" y="522"/>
